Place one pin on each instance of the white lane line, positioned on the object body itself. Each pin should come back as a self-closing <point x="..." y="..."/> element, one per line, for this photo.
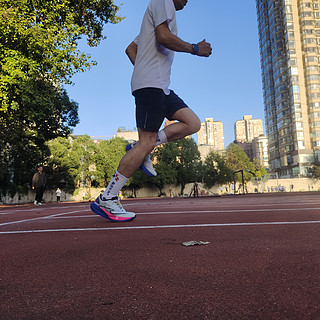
<point x="137" y="204"/>
<point x="41" y="209"/>
<point x="208" y="211"/>
<point x="195" y="212"/>
<point x="38" y="218"/>
<point x="204" y="211"/>
<point x="166" y="227"/>
<point x="60" y="215"/>
<point x="229" y="211"/>
<point x="220" y="202"/>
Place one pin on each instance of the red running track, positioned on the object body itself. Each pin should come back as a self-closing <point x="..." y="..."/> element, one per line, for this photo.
<point x="61" y="261"/>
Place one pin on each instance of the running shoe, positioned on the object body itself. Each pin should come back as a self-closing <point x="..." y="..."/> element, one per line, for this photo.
<point x="146" y="166"/>
<point x="111" y="209"/>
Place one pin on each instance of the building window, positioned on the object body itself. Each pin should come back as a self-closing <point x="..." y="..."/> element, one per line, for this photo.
<point x="296" y="89"/>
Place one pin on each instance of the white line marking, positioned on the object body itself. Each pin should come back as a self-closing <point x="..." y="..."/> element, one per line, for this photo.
<point x="195" y="212"/>
<point x="219" y="202"/>
<point x="216" y="211"/>
<point x="137" y="204"/>
<point x="229" y="211"/>
<point x="41" y="209"/>
<point x="162" y="212"/>
<point x="166" y="227"/>
<point x="38" y="218"/>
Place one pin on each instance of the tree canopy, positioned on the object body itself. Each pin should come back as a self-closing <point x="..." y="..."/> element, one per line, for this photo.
<point x="236" y="159"/>
<point x="216" y="170"/>
<point x="78" y="161"/>
<point x="38" y="54"/>
<point x="315" y="169"/>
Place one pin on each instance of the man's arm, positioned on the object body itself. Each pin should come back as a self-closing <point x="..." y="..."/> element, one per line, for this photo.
<point x="172" y="42"/>
<point x="131" y="51"/>
<point x="34" y="180"/>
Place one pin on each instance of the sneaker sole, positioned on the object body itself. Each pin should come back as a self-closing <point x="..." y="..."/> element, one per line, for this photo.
<point x="146" y="171"/>
<point x="142" y="166"/>
<point x="107" y="215"/>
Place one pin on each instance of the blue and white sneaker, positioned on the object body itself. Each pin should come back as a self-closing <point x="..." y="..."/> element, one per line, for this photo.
<point x="111" y="209"/>
<point x="146" y="165"/>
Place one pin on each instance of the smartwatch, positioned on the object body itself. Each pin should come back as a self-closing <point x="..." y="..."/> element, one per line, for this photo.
<point x="195" y="49"/>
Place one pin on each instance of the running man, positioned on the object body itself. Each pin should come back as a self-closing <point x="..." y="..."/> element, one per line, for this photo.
<point x="152" y="53"/>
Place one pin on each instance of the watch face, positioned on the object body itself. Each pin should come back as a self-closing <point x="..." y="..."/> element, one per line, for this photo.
<point x="195" y="48"/>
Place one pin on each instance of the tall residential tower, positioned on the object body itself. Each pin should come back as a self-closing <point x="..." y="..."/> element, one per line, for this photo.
<point x="289" y="33"/>
<point x="247" y="129"/>
<point x="211" y="134"/>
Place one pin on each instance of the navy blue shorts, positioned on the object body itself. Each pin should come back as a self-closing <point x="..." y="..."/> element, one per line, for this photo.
<point x="153" y="105"/>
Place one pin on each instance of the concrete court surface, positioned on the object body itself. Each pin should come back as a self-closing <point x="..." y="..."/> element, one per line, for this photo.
<point x="61" y="261"/>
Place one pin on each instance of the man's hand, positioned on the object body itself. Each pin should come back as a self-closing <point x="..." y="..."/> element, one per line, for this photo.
<point x="205" y="49"/>
<point x="131" y="52"/>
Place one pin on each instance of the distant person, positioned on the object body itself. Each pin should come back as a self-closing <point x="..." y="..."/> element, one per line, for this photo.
<point x="38" y="183"/>
<point x="58" y="194"/>
<point x="152" y="53"/>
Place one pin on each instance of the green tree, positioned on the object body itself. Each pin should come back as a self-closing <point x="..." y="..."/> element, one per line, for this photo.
<point x="39" y="53"/>
<point x="137" y="181"/>
<point x="165" y="156"/>
<point x="39" y="39"/>
<point x="71" y="163"/>
<point x="259" y="170"/>
<point x="82" y="158"/>
<point x="61" y="170"/>
<point x="188" y="162"/>
<point x="216" y="170"/>
<point x="166" y="174"/>
<point x="236" y="159"/>
<point x="107" y="158"/>
<point x="315" y="170"/>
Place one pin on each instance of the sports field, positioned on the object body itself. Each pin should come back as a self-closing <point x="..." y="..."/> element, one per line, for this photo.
<point x="61" y="261"/>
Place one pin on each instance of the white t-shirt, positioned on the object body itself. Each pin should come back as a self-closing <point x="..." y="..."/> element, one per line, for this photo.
<point x="153" y="62"/>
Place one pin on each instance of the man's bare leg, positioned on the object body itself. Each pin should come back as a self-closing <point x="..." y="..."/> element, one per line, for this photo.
<point x="188" y="124"/>
<point x="134" y="157"/>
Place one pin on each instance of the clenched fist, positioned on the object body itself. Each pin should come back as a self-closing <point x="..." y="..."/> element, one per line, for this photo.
<point x="205" y="49"/>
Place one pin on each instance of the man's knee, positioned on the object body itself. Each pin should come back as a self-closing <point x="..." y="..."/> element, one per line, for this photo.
<point x="189" y="119"/>
<point x="194" y="125"/>
<point x="147" y="141"/>
<point x="148" y="145"/>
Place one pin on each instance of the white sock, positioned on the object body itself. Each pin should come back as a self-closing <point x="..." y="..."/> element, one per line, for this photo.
<point x="115" y="185"/>
<point x="161" y="137"/>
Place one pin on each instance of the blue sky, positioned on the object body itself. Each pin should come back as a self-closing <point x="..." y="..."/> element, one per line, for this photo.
<point x="224" y="87"/>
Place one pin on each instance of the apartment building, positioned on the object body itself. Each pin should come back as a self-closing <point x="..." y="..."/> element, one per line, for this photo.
<point x="289" y="35"/>
<point x="211" y="133"/>
<point x="260" y="150"/>
<point x="210" y="137"/>
<point x="247" y="129"/>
